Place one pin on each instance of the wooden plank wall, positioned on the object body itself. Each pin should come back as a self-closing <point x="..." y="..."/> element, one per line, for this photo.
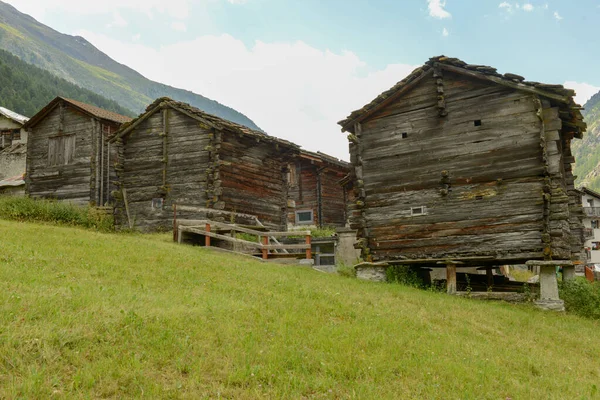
<point x="306" y="196"/>
<point x="164" y="163"/>
<point x="481" y="185"/>
<point x="65" y="182"/>
<point x="253" y="179"/>
<point x="332" y="197"/>
<point x="102" y="164"/>
<point x="304" y="192"/>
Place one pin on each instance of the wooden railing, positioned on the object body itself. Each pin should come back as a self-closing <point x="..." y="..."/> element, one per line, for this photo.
<point x="210" y="230"/>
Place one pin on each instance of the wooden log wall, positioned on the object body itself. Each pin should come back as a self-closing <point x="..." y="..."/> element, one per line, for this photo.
<point x="471" y="160"/>
<point x="65" y="182"/>
<point x="102" y="163"/>
<point x="164" y="157"/>
<point x="317" y="188"/>
<point x="557" y="229"/>
<point x="333" y="202"/>
<point x="304" y="191"/>
<point x="253" y="176"/>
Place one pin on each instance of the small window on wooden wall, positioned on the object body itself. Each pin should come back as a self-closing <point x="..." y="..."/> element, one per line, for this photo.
<point x="61" y="150"/>
<point x="304" y="217"/>
<point x="477" y="122"/>
<point x="415" y="211"/>
<point x="158" y="203"/>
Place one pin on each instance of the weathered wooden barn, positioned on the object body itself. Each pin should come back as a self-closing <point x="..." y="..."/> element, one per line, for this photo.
<point x="68" y="153"/>
<point x="316" y="196"/>
<point x="459" y="163"/>
<point x="176" y="154"/>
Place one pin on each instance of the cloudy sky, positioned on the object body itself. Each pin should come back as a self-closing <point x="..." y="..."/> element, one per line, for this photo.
<point x="296" y="67"/>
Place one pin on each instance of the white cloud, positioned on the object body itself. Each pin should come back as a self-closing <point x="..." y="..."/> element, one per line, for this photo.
<point x="436" y="9"/>
<point x="136" y="37"/>
<point x="584" y="90"/>
<point x="528" y="7"/>
<point x="557" y="16"/>
<point x="445" y="32"/>
<point x="506" y="6"/>
<point x="179" y="26"/>
<point x="117" y="20"/>
<point x="237" y="1"/>
<point x="291" y="90"/>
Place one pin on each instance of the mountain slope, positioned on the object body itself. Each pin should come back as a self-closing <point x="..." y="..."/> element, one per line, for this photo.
<point x="26" y="89"/>
<point x="77" y="60"/>
<point x="587" y="151"/>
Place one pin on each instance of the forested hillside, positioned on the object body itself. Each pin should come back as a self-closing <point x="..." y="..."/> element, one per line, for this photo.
<point x="78" y="61"/>
<point x="25" y="88"/>
<point x="587" y="151"/>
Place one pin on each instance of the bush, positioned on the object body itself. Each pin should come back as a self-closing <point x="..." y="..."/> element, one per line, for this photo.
<point x="346" y="270"/>
<point x="34" y="210"/>
<point x="581" y="297"/>
<point x="404" y="275"/>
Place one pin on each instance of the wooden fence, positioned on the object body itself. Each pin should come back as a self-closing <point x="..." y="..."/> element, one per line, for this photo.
<point x="217" y="230"/>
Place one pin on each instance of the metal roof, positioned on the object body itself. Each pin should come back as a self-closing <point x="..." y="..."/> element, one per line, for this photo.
<point x="21" y="119"/>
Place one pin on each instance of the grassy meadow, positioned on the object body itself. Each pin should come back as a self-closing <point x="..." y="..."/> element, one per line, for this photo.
<point x="85" y="314"/>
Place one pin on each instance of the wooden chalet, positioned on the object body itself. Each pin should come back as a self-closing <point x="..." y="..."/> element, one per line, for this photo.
<point x="460" y="165"/>
<point x="177" y="155"/>
<point x="68" y="153"/>
<point x="316" y="196"/>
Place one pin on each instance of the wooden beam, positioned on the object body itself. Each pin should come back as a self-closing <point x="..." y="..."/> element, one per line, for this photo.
<point x="504" y="82"/>
<point x="389" y="100"/>
<point x="136" y="123"/>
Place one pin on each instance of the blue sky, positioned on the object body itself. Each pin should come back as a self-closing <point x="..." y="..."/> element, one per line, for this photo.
<point x="296" y="67"/>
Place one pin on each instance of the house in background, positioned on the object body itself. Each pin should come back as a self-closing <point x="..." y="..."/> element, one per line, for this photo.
<point x="13" y="139"/>
<point x="590" y="201"/>
<point x="176" y="154"/>
<point x="69" y="156"/>
<point x="316" y="196"/>
<point x="460" y="165"/>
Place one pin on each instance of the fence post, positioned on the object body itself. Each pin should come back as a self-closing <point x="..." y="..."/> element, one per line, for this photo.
<point x="175" y="230"/>
<point x="308" y="249"/>
<point x="207" y="238"/>
<point x="265" y="252"/>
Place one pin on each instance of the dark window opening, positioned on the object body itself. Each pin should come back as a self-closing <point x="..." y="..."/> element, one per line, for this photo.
<point x="158" y="203"/>
<point x="404" y="135"/>
<point x="479" y="197"/>
<point x="477" y="122"/>
<point x="304" y="217"/>
<point x="418" y="211"/>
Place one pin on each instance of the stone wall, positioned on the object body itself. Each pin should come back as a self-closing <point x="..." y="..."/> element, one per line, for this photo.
<point x="11" y="163"/>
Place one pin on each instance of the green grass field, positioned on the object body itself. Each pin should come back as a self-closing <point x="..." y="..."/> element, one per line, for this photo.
<point x="93" y="315"/>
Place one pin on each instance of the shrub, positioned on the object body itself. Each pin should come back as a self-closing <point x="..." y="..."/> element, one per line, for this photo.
<point x="581" y="297"/>
<point x="346" y="270"/>
<point x="404" y="275"/>
<point x="37" y="210"/>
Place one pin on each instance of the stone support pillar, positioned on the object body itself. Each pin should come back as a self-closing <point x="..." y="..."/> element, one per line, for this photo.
<point x="549" y="299"/>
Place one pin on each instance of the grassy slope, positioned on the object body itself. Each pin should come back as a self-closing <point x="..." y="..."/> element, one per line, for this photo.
<point x="77" y="60"/>
<point x="84" y="314"/>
